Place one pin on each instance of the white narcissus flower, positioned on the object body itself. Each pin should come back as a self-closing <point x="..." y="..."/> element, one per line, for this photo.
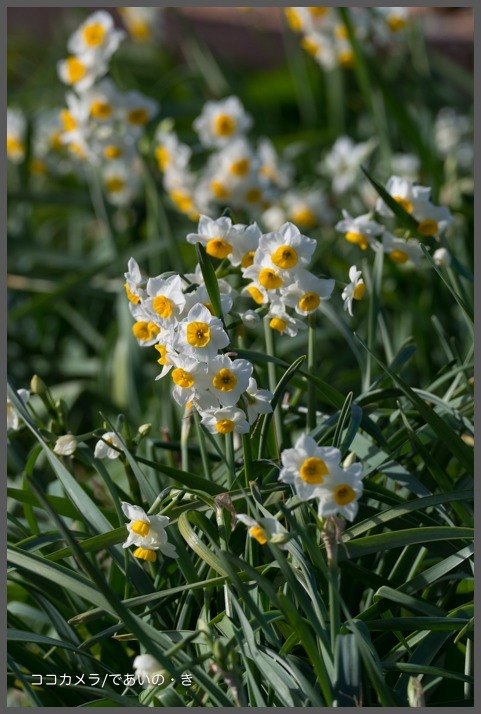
<point x="219" y="122"/>
<point x="96" y="38"/>
<point x="16" y="127"/>
<point x="442" y="256"/>
<point x="402" y="251"/>
<point x="258" y="401"/>
<point x="135" y="282"/>
<point x="120" y="181"/>
<point x="103" y="101"/>
<point x="228" y="379"/>
<point x="307" y="292"/>
<point x="217" y="236"/>
<point x="200" y="334"/>
<point x="189" y="377"/>
<point x="225" y="421"/>
<point x="361" y="231"/>
<point x="147" y="671"/>
<point x="264" y="279"/>
<point x="65" y="445"/>
<point x="137" y="110"/>
<point x="307" y="209"/>
<point x="286" y="249"/>
<point x="147" y="533"/>
<point x="282" y="322"/>
<point x="104" y="451"/>
<point x="245" y="245"/>
<point x="354" y="290"/>
<point x="170" y="152"/>
<point x="264" y="532"/>
<point x="276" y="171"/>
<point x="343" y="161"/>
<point x="13" y="419"/>
<point x="307" y="467"/>
<point x="81" y="72"/>
<point x="145" y="329"/>
<point x="142" y="23"/>
<point x="341" y="492"/>
<point x="165" y="297"/>
<point x="251" y="319"/>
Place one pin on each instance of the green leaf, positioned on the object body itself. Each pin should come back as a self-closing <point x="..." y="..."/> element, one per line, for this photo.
<point x="210" y="279"/>
<point x="398" y="539"/>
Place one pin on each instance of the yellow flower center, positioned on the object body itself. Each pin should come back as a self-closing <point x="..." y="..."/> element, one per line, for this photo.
<point x="182" y="378"/>
<point x="138" y="117"/>
<point x="56" y="140"/>
<point x="278" y="324"/>
<point x="163" y="157"/>
<point x="76" y="69"/>
<point x="398" y="256"/>
<point x="341" y="32"/>
<point x="100" y="109"/>
<point x="219" y="190"/>
<point x="218" y="248"/>
<point x="131" y="296"/>
<point x="145" y="330"/>
<point x="269" y="279"/>
<point x="309" y="302"/>
<point x="113" y="152"/>
<point x="248" y="259"/>
<point x="258" y="534"/>
<point x="240" y="168"/>
<point x="313" y="470"/>
<point x="254" y="195"/>
<point x="395" y="23"/>
<point x="182" y="200"/>
<point x="114" y="184"/>
<point x="224" y="125"/>
<point x="404" y="202"/>
<point x="428" y="227"/>
<point x="346" y="58"/>
<point x="359" y="291"/>
<point x="285" y="257"/>
<point x="198" y="334"/>
<point x="14" y="146"/>
<point x="319" y="11"/>
<point x="305" y="217"/>
<point x="344" y="494"/>
<point x="145" y="554"/>
<point x="293" y="19"/>
<point x="225" y="380"/>
<point x="140" y="31"/>
<point x="38" y="167"/>
<point x="162" y="306"/>
<point x="255" y="294"/>
<point x="358" y="239"/>
<point x="78" y="150"/>
<point x="68" y="121"/>
<point x="141" y="528"/>
<point x="310" y="45"/>
<point x="163" y="354"/>
<point x="225" y="426"/>
<point x="93" y="34"/>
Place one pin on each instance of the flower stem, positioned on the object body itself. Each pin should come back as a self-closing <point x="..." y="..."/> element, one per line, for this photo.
<point x="271" y="372"/>
<point x="229" y="452"/>
<point x="246" y="447"/>
<point x="311" y="368"/>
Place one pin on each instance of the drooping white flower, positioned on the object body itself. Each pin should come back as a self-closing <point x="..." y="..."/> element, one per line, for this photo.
<point x="354" y="290"/>
<point x="402" y="251"/>
<point x="263" y="532"/>
<point x="147" y="533"/>
<point x="361" y="231"/>
<point x="258" y="401"/>
<point x="65" y="445"/>
<point x="221" y="121"/>
<point x="104" y="451"/>
<point x="307" y="466"/>
<point x="13" y="418"/>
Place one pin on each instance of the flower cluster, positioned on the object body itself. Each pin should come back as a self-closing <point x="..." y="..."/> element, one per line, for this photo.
<point x="174" y="315"/>
<point x="315" y="472"/>
<point x="431" y="220"/>
<point x="16" y="127"/>
<point x="325" y="36"/>
<point x="100" y="124"/>
<point x="142" y="23"/>
<point x="147" y="533"/>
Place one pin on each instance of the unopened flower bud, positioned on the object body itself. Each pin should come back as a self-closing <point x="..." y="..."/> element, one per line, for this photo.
<point x="37" y="386"/>
<point x="65" y="445"/>
<point x="144" y="429"/>
<point x="442" y="256"/>
<point x="251" y="319"/>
